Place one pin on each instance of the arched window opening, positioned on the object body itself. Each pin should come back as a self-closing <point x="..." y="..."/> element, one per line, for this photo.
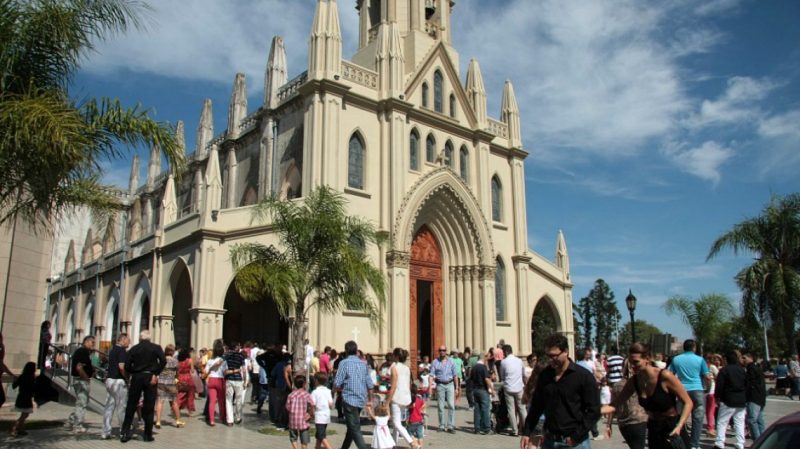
<point x="425" y="94"/>
<point x="448" y="155"/>
<point x="355" y="163"/>
<point x="430" y="148"/>
<point x="497" y="199"/>
<point x="452" y="105"/>
<point x="500" y="291"/>
<point x="413" y="150"/>
<point x="438" y="91"/>
<point x="463" y="163"/>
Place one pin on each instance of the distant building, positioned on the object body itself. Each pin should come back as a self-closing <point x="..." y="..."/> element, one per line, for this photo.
<point x="413" y="149"/>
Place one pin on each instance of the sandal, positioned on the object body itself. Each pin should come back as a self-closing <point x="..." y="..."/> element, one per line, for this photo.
<point x="158" y="424"/>
<point x="179" y="423"/>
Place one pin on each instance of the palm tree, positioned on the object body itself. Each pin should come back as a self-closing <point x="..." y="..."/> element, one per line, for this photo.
<point x="705" y="315"/>
<point x="771" y="284"/>
<point x="322" y="262"/>
<point x="51" y="146"/>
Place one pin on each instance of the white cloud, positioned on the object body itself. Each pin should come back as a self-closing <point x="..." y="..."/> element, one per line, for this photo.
<point x="703" y="161"/>
<point x="738" y="104"/>
<point x="785" y="125"/>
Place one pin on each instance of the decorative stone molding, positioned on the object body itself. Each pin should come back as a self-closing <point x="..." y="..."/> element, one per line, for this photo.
<point x="487" y="273"/>
<point x="359" y="75"/>
<point x="398" y="259"/>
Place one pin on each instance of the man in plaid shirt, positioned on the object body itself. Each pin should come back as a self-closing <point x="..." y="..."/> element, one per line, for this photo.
<point x="352" y="379"/>
<point x="300" y="407"/>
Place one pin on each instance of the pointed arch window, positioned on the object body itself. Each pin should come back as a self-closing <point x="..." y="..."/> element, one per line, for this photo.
<point x="497" y="199"/>
<point x="355" y="162"/>
<point x="438" y="91"/>
<point x="452" y="105"/>
<point x="430" y="148"/>
<point x="463" y="163"/>
<point x="500" y="290"/>
<point x="448" y="155"/>
<point x="425" y="94"/>
<point x="413" y="150"/>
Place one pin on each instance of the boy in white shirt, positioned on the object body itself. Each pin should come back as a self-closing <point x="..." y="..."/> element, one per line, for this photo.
<point x="323" y="402"/>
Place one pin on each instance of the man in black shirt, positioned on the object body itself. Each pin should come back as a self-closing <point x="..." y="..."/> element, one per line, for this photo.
<point x="756" y="396"/>
<point x="235" y="384"/>
<point x="480" y="383"/>
<point x="144" y="364"/>
<point x="82" y="372"/>
<point x="116" y="385"/>
<point x="567" y="394"/>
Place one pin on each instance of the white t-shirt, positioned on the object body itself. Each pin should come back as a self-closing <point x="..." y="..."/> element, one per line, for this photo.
<point x="605" y="395"/>
<point x="322" y="404"/>
<point x="588" y="364"/>
<point x="425" y="379"/>
<point x="254" y="351"/>
<point x="220" y="371"/>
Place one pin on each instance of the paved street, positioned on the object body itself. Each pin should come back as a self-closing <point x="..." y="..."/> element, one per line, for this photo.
<point x="198" y="434"/>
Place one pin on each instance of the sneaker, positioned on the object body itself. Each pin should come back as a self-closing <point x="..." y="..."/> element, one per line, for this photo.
<point x="451" y="430"/>
<point x="105" y="436"/>
<point x="599" y="437"/>
<point x="440" y="429"/>
<point x="80" y="429"/>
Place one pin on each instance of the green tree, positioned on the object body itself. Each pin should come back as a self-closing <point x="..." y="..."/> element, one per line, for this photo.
<point x="545" y="323"/>
<point x="644" y="333"/>
<point x="321" y="262"/>
<point x="771" y="284"/>
<point x="599" y="312"/>
<point x="52" y="146"/>
<point x="705" y="315"/>
<point x="586" y="314"/>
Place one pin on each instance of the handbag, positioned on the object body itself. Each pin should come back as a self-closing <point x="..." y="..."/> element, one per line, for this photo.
<point x="198" y="383"/>
<point x="676" y="442"/>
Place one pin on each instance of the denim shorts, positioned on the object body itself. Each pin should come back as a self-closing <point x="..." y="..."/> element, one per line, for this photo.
<point x="416" y="430"/>
<point x="321" y="431"/>
<point x="303" y="435"/>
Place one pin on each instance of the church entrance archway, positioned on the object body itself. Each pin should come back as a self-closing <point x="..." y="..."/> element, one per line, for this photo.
<point x="181" y="290"/>
<point x="427" y="314"/>
<point x="257" y="321"/>
<point x="544" y="323"/>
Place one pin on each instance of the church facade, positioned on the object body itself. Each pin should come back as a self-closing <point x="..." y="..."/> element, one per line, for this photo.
<point x="402" y="135"/>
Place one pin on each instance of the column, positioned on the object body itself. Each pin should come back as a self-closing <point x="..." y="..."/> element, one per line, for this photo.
<point x="487" y="293"/>
<point x="466" y="282"/>
<point x="523" y="309"/>
<point x="460" y="316"/>
<point x="451" y="316"/>
<point x="398" y="325"/>
<point x="476" y="308"/>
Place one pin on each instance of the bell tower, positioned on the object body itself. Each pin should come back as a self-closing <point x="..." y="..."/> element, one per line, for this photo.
<point x="421" y="24"/>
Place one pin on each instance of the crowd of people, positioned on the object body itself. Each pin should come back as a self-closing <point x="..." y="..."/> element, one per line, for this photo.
<point x="551" y="403"/>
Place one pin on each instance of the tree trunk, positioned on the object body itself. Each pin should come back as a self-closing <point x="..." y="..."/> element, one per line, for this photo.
<point x="299" y="329"/>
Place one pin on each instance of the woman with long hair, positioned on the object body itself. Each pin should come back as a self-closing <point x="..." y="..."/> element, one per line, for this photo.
<point x="711" y="401"/>
<point x="215" y="370"/>
<point x="167" y="390"/>
<point x="399" y="395"/>
<point x="24" y="403"/>
<point x="186" y="387"/>
<point x="658" y="392"/>
<point x="631" y="417"/>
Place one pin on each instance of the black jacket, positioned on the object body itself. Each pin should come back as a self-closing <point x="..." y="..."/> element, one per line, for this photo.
<point x="732" y="386"/>
<point x="756" y="387"/>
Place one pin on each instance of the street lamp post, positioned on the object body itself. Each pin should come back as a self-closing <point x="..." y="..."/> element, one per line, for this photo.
<point x="630" y="301"/>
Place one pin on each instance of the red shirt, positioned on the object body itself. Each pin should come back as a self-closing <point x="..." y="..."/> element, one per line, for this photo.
<point x="324" y="363"/>
<point x="415" y="417"/>
<point x="297" y="404"/>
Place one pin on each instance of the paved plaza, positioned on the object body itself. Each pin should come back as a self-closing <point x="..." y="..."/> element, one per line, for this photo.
<point x="197" y="434"/>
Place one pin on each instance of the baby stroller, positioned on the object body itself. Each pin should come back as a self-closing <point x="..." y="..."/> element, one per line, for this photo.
<point x="499" y="409"/>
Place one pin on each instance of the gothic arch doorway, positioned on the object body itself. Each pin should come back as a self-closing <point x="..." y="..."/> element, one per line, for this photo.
<point x="427" y="314"/>
<point x="181" y="291"/>
<point x="252" y="321"/>
<point x="544" y="323"/>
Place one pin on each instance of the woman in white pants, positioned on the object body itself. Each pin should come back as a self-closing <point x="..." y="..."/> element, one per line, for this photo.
<point x="400" y="393"/>
<point x="731" y="393"/>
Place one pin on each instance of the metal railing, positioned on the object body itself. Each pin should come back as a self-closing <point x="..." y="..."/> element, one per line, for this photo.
<point x="60" y="371"/>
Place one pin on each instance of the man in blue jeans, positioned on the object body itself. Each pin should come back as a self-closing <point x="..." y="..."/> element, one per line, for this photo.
<point x="691" y="369"/>
<point x="448" y="388"/>
<point x="482" y="389"/>
<point x="352" y="379"/>
<point x="756" y="396"/>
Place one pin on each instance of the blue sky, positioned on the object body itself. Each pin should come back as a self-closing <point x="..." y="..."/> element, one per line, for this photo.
<point x="652" y="127"/>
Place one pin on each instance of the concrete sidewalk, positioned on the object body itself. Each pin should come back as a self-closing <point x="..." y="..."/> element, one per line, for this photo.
<point x="198" y="434"/>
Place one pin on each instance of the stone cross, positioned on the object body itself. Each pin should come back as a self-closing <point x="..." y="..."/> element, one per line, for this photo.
<point x="355" y="334"/>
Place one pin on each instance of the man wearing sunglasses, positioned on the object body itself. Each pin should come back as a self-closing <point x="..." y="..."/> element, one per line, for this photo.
<point x="567" y="395"/>
<point x="448" y="387"/>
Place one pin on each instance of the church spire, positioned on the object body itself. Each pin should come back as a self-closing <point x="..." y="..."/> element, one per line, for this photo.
<point x="325" y="44"/>
<point x="169" y="205"/>
<point x="213" y="184"/>
<point x="153" y="166"/>
<point x="180" y="136"/>
<point x="205" y="130"/>
<point x="277" y="72"/>
<point x="562" y="256"/>
<point x="476" y="92"/>
<point x="238" y="106"/>
<point x="133" y="182"/>
<point x="509" y="114"/>
<point x="390" y="60"/>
